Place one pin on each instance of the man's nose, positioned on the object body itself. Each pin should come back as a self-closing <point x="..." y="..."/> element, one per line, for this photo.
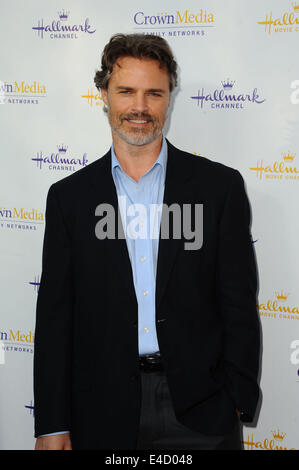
<point x="140" y="103"/>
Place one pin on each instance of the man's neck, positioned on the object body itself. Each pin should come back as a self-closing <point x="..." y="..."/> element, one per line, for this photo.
<point x="136" y="160"/>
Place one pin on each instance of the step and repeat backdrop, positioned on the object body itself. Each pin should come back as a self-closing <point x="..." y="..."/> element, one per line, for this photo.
<point x="237" y="103"/>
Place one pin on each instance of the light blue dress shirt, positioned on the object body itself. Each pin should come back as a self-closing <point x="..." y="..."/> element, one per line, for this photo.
<point x="143" y="252"/>
<point x="142" y="237"/>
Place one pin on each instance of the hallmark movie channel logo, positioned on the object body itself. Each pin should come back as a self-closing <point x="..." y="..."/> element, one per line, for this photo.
<point x="60" y="160"/>
<point x="63" y="28"/>
<point x="279" y="170"/>
<point x="279" y="308"/>
<point x="283" y="22"/>
<point x="277" y="441"/>
<point x="22" y="92"/>
<point x="178" y="23"/>
<point x="20" y="218"/>
<point x="227" y="96"/>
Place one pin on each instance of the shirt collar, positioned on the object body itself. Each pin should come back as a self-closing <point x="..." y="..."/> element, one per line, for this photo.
<point x="161" y="160"/>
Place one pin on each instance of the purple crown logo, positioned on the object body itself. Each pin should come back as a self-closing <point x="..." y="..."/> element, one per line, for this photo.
<point x="228" y="84"/>
<point x="63" y="15"/>
<point x="62" y="148"/>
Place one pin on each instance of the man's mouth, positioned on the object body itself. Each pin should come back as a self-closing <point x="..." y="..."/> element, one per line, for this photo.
<point x="141" y="120"/>
<point x="137" y="121"/>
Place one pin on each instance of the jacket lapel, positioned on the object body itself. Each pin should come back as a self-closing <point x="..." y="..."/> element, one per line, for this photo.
<point x="104" y="191"/>
<point x="176" y="192"/>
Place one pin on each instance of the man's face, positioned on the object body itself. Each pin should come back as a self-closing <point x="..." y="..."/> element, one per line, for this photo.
<point x="137" y="99"/>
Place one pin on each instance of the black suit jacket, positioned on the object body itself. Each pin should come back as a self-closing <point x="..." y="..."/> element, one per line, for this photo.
<point x="86" y="376"/>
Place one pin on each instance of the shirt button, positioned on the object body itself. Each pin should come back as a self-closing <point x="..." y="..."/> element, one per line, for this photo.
<point x="146" y="329"/>
<point x="143" y="258"/>
<point x="145" y="292"/>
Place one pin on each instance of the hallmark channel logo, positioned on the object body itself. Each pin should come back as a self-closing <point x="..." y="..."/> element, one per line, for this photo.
<point x="279" y="308"/>
<point x="179" y="23"/>
<point x="277" y="441"/>
<point x="286" y="22"/>
<point x="93" y="98"/>
<point x="21" y="92"/>
<point x="227" y="97"/>
<point x="19" y="218"/>
<point x="59" y="160"/>
<point x="63" y="28"/>
<point x="17" y="341"/>
<point x="279" y="170"/>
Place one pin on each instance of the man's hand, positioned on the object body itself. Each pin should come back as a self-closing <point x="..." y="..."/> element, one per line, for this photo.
<point x="238" y="413"/>
<point x="55" y="442"/>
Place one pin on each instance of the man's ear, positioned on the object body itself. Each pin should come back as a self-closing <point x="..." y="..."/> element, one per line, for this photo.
<point x="104" y="95"/>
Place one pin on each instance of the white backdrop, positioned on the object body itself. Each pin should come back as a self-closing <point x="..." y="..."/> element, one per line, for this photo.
<point x="52" y="124"/>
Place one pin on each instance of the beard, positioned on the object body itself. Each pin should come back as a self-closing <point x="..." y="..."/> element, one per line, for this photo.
<point x="136" y="135"/>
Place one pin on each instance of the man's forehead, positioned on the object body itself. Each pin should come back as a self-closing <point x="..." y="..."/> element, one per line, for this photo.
<point x="145" y="73"/>
<point x="128" y="62"/>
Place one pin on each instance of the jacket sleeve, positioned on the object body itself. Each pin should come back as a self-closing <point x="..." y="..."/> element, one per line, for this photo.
<point x="52" y="352"/>
<point x="237" y="294"/>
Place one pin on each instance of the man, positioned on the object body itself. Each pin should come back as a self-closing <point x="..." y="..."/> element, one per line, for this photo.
<point x="145" y="342"/>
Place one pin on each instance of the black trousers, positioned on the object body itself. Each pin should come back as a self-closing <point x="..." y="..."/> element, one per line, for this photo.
<point x="159" y="428"/>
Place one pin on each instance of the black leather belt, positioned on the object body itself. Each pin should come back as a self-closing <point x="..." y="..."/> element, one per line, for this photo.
<point x="151" y="363"/>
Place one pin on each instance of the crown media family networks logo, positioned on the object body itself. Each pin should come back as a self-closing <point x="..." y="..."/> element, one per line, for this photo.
<point x="16" y="340"/>
<point x="59" y="160"/>
<point x="279" y="170"/>
<point x="22" y="92"/>
<point x="178" y="23"/>
<point x="227" y="97"/>
<point x="20" y="218"/>
<point x="63" y="28"/>
<point x="285" y="22"/>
